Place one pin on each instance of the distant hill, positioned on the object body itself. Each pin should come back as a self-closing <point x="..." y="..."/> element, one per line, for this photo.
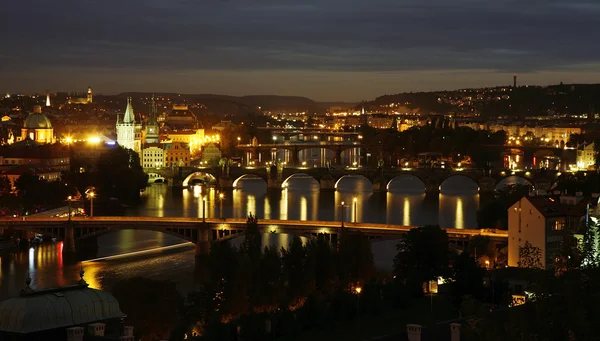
<point x="224" y="104"/>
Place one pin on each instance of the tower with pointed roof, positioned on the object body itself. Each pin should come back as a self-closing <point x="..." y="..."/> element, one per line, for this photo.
<point x="126" y="129"/>
<point x="152" y="128"/>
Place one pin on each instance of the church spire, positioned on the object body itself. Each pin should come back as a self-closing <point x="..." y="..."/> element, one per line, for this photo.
<point x="47" y="99"/>
<point x="129" y="117"/>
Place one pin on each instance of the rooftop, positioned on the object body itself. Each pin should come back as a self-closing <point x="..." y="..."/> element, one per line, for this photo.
<point x="43" y="310"/>
<point x="555" y="206"/>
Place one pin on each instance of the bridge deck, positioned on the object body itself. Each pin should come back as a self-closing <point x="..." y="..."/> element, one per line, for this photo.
<point x="182" y="222"/>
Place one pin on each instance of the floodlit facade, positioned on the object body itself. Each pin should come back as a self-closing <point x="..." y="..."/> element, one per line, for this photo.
<point x="153" y="156"/>
<point x="586" y="157"/>
<point x="542" y="221"/>
<point x="37" y="127"/>
<point x="128" y="132"/>
<point x="177" y="155"/>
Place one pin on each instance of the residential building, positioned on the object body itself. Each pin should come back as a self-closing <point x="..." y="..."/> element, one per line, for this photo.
<point x="43" y="173"/>
<point x="586" y="156"/>
<point x="29" y="153"/>
<point x="543" y="221"/>
<point x="224" y="125"/>
<point x="177" y="154"/>
<point x="153" y="156"/>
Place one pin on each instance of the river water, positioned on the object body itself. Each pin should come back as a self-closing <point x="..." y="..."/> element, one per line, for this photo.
<point x="129" y="253"/>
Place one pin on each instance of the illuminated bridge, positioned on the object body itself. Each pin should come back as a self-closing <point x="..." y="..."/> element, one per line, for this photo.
<point x="202" y="232"/>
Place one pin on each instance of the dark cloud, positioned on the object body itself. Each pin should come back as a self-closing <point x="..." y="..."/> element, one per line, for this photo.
<point x="315" y="35"/>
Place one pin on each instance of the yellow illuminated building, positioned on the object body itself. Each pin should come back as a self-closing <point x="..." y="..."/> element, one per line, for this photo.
<point x="37" y="127"/>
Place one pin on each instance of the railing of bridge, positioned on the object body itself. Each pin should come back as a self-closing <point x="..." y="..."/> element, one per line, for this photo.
<point x="262" y="222"/>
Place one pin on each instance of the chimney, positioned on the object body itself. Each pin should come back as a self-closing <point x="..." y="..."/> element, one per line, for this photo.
<point x="414" y="332"/>
<point x="454" y="331"/>
<point x="96" y="329"/>
<point x="75" y="334"/>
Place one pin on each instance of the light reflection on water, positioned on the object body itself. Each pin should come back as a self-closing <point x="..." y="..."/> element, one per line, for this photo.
<point x="404" y="204"/>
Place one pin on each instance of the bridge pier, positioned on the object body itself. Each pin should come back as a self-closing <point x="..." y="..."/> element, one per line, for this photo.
<point x="327" y="183"/>
<point x="379" y="185"/>
<point x="487" y="185"/>
<point x="274" y="183"/>
<point x="432" y="186"/>
<point x="203" y="242"/>
<point x="225" y="182"/>
<point x="69" y="240"/>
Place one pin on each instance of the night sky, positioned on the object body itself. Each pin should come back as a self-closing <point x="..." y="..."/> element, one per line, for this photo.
<point x="323" y="49"/>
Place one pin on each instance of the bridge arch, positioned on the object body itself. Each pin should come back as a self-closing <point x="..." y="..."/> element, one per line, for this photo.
<point x="155" y="178"/>
<point x="285" y="182"/>
<point x="514" y="180"/>
<point x="458" y="175"/>
<point x="406" y="176"/>
<point x="204" y="177"/>
<point x="350" y="176"/>
<point x="246" y="176"/>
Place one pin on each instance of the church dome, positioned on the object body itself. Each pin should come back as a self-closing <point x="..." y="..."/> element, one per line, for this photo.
<point x="37" y="121"/>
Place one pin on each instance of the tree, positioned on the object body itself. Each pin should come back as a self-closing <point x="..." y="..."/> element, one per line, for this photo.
<point x="590" y="244"/>
<point x="297" y="280"/>
<point x="530" y="256"/>
<point x="153" y="307"/>
<point x="570" y="255"/>
<point x="356" y="266"/>
<point x="483" y="249"/>
<point x="422" y="254"/>
<point x="467" y="278"/>
<point x="119" y="175"/>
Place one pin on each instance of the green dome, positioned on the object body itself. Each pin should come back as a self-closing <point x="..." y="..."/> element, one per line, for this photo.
<point x="37" y="121"/>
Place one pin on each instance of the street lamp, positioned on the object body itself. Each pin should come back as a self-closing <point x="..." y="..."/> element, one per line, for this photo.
<point x="274" y="139"/>
<point x="69" y="201"/>
<point x="487" y="264"/>
<point x="239" y="139"/>
<point x="221" y="197"/>
<point x="355" y="200"/>
<point x="343" y="213"/>
<point x="203" y="209"/>
<point x="91" y="195"/>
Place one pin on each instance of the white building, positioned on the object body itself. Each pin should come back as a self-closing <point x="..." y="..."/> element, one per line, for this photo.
<point x="153" y="156"/>
<point x="586" y="156"/>
<point x="540" y="220"/>
<point x="128" y="131"/>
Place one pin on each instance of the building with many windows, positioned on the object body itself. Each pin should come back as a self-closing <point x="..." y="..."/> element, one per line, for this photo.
<point x="543" y="221"/>
<point x="177" y="154"/>
<point x="153" y="156"/>
<point x="586" y="156"/>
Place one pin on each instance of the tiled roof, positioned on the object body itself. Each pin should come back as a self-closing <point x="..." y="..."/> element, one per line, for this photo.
<point x="551" y="206"/>
<point x="57" y="308"/>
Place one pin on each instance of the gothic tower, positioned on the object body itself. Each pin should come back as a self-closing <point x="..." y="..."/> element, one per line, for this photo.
<point x="126" y="128"/>
<point x="152" y="129"/>
<point x="89" y="95"/>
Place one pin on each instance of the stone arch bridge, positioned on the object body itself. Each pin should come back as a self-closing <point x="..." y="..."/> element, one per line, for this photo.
<point x="328" y="179"/>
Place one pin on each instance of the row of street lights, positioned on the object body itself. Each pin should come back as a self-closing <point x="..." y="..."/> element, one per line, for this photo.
<point x="355" y="203"/>
<point x="91" y="195"/>
<point x="221" y="198"/>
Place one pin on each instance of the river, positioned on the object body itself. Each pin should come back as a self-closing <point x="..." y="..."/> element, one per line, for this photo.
<point x="129" y="253"/>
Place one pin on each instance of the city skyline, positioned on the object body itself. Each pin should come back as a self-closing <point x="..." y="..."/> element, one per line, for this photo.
<point x="324" y="50"/>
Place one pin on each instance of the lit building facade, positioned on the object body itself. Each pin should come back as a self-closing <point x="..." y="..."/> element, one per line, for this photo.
<point x="128" y="132"/>
<point x="586" y="156"/>
<point x="37" y="127"/>
<point x="153" y="156"/>
<point x="211" y="152"/>
<point x="542" y="221"/>
<point x="82" y="100"/>
<point x="177" y="154"/>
